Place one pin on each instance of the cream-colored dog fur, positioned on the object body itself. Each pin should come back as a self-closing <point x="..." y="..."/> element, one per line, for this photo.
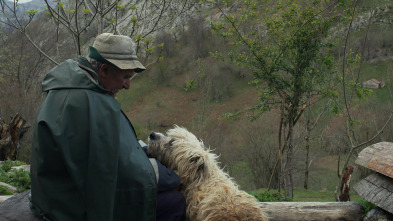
<point x="210" y="193"/>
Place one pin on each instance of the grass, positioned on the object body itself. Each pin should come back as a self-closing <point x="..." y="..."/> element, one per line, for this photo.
<point x="302" y="195"/>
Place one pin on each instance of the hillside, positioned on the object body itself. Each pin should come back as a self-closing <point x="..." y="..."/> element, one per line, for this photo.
<point x="190" y="88"/>
<point x="159" y="100"/>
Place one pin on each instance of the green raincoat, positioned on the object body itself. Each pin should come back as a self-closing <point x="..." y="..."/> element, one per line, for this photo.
<point x="86" y="162"/>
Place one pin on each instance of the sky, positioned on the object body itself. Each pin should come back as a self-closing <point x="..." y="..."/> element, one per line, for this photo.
<point x="21" y="1"/>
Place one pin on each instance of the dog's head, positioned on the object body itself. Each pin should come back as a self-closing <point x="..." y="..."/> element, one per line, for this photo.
<point x="181" y="152"/>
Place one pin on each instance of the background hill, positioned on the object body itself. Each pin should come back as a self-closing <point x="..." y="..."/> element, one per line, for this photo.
<point x="193" y="89"/>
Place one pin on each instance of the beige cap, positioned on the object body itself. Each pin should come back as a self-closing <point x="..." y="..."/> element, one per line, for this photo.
<point x="118" y="50"/>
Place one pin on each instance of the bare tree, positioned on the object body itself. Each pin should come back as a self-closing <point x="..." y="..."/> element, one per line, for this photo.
<point x="137" y="19"/>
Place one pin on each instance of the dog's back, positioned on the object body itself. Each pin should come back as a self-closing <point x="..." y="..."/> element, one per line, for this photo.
<point x="210" y="193"/>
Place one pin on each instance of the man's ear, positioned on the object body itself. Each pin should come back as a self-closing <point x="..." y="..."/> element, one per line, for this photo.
<point x="104" y="70"/>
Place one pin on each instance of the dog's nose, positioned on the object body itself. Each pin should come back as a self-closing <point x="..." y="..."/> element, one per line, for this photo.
<point x="152" y="136"/>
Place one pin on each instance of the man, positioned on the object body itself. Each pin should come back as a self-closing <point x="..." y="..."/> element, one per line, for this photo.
<point x="86" y="161"/>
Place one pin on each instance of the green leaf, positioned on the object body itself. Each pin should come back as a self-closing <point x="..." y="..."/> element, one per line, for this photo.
<point x="134" y="19"/>
<point x="138" y="37"/>
<point x="31" y="12"/>
<point x="133" y="7"/>
<point x="111" y="21"/>
<point x="86" y="11"/>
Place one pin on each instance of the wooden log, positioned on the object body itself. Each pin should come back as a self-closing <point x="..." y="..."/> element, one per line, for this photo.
<point x="17" y="209"/>
<point x="307" y="211"/>
<point x="377" y="189"/>
<point x="378" y="157"/>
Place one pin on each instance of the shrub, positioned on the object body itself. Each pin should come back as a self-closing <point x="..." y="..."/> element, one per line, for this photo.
<point x="270" y="197"/>
<point x="367" y="206"/>
<point x="5" y="190"/>
<point x="7" y="164"/>
<point x="17" y="178"/>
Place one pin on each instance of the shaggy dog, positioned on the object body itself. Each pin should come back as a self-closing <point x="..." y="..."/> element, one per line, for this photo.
<point x="210" y="193"/>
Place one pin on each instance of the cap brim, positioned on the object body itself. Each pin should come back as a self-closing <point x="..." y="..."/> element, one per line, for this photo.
<point x="128" y="64"/>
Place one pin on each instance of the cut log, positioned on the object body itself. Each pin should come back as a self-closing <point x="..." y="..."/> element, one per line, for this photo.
<point x="377" y="189"/>
<point x="307" y="211"/>
<point x="378" y="157"/>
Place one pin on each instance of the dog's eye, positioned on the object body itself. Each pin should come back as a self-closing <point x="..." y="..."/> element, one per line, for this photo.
<point x="171" y="142"/>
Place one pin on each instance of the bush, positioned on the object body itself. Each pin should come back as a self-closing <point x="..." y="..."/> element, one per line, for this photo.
<point x="17" y="178"/>
<point x="6" y="165"/>
<point x="5" y="190"/>
<point x="270" y="197"/>
<point x="367" y="206"/>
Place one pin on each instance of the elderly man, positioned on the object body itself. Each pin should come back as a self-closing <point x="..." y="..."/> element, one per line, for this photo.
<point x="87" y="163"/>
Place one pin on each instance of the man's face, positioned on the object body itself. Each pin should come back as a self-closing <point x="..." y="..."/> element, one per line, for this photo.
<point x="115" y="79"/>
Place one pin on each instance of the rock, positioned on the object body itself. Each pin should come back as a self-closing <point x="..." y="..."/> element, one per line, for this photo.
<point x="17" y="208"/>
<point x="26" y="168"/>
<point x="5" y="197"/>
<point x="378" y="214"/>
<point x="11" y="188"/>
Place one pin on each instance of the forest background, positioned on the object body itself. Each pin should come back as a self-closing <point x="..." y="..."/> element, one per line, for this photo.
<point x="195" y="78"/>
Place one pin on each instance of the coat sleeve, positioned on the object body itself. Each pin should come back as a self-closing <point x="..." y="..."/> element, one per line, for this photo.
<point x="90" y="145"/>
<point x="168" y="180"/>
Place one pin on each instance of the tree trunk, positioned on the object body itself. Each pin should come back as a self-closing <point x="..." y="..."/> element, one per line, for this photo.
<point x="306" y="162"/>
<point x="288" y="184"/>
<point x="305" y="185"/>
<point x="10" y="137"/>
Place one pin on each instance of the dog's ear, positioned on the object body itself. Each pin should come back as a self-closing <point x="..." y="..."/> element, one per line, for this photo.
<point x="200" y="168"/>
<point x="169" y="144"/>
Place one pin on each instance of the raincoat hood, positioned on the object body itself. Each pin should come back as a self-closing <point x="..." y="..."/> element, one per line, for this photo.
<point x="73" y="75"/>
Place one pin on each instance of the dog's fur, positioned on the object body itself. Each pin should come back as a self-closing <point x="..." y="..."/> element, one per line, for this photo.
<point x="210" y="193"/>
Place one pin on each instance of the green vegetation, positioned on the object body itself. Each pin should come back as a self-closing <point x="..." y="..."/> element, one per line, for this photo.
<point x="190" y="60"/>
<point x="366" y="205"/>
<point x="302" y="195"/>
<point x="269" y="196"/>
<point x="17" y="178"/>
